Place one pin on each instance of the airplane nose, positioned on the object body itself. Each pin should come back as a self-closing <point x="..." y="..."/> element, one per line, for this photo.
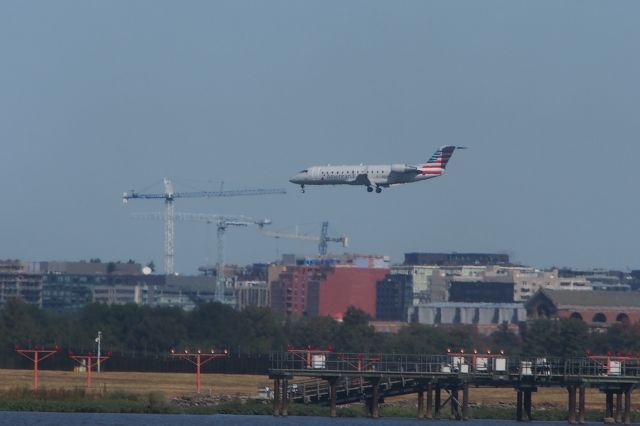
<point x="296" y="179"/>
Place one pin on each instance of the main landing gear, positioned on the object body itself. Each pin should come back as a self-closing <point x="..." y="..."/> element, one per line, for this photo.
<point x="370" y="189"/>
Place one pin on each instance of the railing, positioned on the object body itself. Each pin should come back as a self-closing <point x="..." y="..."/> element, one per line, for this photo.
<point x="466" y="365"/>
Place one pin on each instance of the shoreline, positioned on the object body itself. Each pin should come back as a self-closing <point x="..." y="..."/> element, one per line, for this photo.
<point x="79" y="401"/>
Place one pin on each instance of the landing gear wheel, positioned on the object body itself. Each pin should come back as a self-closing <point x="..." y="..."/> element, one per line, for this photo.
<point x="369" y="189"/>
<point x="302" y="188"/>
<point x="378" y="190"/>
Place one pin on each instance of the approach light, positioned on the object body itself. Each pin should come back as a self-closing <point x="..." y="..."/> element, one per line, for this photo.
<point x="501" y="351"/>
<point x="199" y="351"/>
<point x="173" y="351"/>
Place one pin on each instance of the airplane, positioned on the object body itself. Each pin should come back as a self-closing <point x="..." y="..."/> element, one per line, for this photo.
<point x="376" y="177"/>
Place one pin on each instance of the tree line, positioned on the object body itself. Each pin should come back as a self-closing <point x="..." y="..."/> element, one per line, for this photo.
<point x="257" y="331"/>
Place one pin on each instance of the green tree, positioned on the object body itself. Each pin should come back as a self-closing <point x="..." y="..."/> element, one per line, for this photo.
<point x="355" y="334"/>
<point x="563" y="338"/>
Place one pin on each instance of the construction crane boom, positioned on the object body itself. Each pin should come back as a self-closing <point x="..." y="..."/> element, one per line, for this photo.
<point x="201" y="194"/>
<point x="169" y="196"/>
<point x="323" y="239"/>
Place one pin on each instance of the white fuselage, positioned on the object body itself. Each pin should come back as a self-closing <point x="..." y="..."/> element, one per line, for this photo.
<point x="375" y="176"/>
<point x="369" y="175"/>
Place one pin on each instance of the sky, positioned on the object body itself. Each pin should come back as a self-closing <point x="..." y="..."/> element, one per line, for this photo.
<point x="101" y="97"/>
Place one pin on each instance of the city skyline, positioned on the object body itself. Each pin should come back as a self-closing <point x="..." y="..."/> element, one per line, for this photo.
<point x="102" y="98"/>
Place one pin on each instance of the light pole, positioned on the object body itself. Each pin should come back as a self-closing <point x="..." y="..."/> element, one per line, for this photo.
<point x="98" y="341"/>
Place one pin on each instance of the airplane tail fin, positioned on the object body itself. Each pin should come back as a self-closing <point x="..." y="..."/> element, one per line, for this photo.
<point x="438" y="161"/>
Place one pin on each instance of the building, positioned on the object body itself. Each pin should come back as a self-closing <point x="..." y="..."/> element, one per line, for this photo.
<point x="290" y="290"/>
<point x="20" y="280"/>
<point x="116" y="294"/>
<point x="485" y="317"/>
<point x="326" y="286"/>
<point x="455" y="259"/>
<point x="596" y="308"/>
<point x="343" y="286"/>
<point x="481" y="292"/>
<point x="394" y="296"/>
<point x="251" y="293"/>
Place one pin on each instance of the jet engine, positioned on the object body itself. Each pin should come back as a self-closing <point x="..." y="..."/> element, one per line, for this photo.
<point x="402" y="168"/>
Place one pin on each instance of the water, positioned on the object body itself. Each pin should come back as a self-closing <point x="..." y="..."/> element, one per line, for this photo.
<point x="108" y="419"/>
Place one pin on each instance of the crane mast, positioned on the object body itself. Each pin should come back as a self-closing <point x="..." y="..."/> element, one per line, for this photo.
<point x="169" y="197"/>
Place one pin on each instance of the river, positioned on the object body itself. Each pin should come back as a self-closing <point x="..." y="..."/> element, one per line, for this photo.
<point x="108" y="419"/>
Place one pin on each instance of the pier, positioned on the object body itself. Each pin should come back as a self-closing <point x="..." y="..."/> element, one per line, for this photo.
<point x="328" y="378"/>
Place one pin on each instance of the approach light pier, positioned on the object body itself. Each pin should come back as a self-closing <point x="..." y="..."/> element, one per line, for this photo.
<point x="332" y="379"/>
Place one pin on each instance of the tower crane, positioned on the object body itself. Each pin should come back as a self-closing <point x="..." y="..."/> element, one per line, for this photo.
<point x="323" y="239"/>
<point x="222" y="222"/>
<point x="169" y="196"/>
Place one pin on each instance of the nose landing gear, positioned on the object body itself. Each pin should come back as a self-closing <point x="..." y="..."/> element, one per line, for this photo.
<point x="302" y="188"/>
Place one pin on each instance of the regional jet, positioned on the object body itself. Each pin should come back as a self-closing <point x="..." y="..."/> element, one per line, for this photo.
<point x="376" y="177"/>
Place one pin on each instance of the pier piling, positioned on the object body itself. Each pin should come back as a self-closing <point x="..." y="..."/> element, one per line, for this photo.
<point x="572" y="404"/>
<point x="276" y="397"/>
<point x="333" y="396"/>
<point x="285" y="398"/>
<point x="421" y="401"/>
<point x="429" y="413"/>
<point x="581" y="403"/>
<point x="627" y="405"/>
<point x="518" y="405"/>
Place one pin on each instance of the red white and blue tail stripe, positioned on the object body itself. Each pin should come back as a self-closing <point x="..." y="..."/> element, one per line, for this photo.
<point x="438" y="161"/>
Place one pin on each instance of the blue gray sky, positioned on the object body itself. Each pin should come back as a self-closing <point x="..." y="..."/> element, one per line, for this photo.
<point x="99" y="97"/>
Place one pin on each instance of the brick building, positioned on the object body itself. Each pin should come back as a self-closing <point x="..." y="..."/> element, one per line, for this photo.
<point x="596" y="308"/>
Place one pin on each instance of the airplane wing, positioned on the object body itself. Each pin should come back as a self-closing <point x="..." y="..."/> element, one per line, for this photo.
<point x="362" y="179"/>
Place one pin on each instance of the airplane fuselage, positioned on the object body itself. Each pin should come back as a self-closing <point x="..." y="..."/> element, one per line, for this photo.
<point x="379" y="175"/>
<point x="375" y="176"/>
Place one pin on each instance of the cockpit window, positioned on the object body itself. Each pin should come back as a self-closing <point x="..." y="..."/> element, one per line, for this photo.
<point x="304" y="171"/>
